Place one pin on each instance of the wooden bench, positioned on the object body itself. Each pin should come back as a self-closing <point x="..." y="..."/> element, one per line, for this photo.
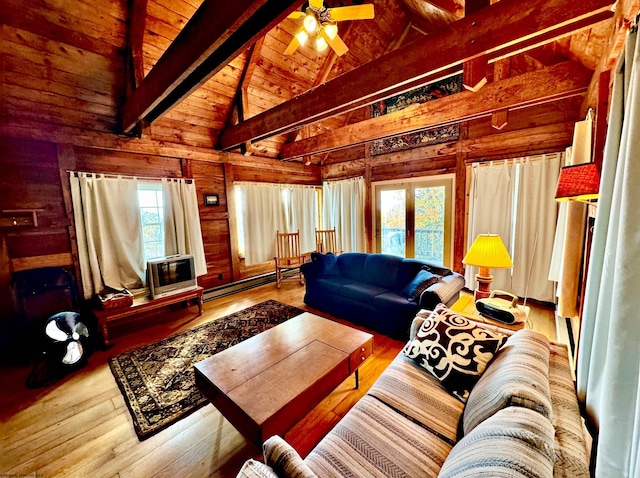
<point x="145" y="304"/>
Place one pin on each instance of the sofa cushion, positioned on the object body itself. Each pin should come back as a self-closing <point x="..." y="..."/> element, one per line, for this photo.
<point x="327" y="264"/>
<point x="515" y="442"/>
<point x="284" y="459"/>
<point x="332" y="284"/>
<point x="571" y="455"/>
<point x="255" y="469"/>
<point x="453" y="349"/>
<point x="351" y="265"/>
<point x="419" y="396"/>
<point x="361" y="292"/>
<point x="394" y="304"/>
<point x="421" y="282"/>
<point x="518" y="376"/>
<point x="382" y="270"/>
<point x="373" y="440"/>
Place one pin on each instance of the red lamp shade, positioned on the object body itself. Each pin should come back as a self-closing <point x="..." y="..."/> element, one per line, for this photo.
<point x="580" y="182"/>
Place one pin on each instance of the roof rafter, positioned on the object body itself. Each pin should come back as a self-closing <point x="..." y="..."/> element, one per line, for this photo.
<point x="217" y="33"/>
<point x="550" y="84"/>
<point x="500" y="30"/>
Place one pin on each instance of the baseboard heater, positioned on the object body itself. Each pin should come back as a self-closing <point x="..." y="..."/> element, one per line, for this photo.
<point x="245" y="284"/>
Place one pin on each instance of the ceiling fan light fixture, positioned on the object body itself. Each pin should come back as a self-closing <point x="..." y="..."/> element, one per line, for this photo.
<point x="302" y="37"/>
<point x="321" y="44"/>
<point x="331" y="29"/>
<point x="310" y="23"/>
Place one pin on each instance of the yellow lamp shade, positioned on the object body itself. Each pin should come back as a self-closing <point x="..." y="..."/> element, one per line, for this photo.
<point x="488" y="250"/>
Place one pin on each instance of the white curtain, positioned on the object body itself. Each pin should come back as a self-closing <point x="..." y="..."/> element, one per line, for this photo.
<point x="608" y="367"/>
<point x="490" y="211"/>
<point x="302" y="215"/>
<point x="182" y="233"/>
<point x="569" y="237"/>
<point x="535" y="217"/>
<point x="343" y="208"/>
<point x="108" y="230"/>
<point x="263" y="213"/>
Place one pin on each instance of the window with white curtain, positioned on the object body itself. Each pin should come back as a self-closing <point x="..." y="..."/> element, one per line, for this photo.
<point x="515" y="199"/>
<point x="264" y="208"/>
<point x="151" y="205"/>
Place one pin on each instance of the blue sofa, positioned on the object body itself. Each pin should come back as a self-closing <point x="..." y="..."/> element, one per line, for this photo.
<point x="378" y="291"/>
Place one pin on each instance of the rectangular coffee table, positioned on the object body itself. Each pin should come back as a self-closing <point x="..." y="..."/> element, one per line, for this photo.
<point x="266" y="384"/>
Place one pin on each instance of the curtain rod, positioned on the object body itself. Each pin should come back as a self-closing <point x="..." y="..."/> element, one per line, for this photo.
<point x="126" y="176"/>
<point x="537" y="157"/>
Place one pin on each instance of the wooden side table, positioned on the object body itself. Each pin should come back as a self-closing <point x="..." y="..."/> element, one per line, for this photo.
<point x="466" y="306"/>
<point x="145" y="304"/>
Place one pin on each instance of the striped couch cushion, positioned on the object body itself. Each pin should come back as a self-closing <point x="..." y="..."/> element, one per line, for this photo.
<point x="372" y="440"/>
<point x="518" y="375"/>
<point x="515" y="442"/>
<point x="256" y="469"/>
<point x="284" y="459"/>
<point x="408" y="389"/>
<point x="571" y="455"/>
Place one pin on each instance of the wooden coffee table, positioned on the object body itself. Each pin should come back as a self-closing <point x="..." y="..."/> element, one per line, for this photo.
<point x="266" y="384"/>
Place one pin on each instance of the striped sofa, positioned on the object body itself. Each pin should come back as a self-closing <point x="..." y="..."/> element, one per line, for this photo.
<point x="408" y="425"/>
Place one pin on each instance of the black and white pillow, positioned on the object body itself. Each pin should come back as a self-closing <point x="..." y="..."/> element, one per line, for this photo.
<point x="454" y="350"/>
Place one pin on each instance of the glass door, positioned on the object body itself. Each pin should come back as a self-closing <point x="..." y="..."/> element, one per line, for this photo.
<point x="392" y="205"/>
<point x="413" y="219"/>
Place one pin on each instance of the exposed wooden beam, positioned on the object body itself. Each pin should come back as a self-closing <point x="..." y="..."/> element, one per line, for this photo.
<point x="503" y="29"/>
<point x="449" y="6"/>
<point x="474" y="72"/>
<point x="134" y="66"/>
<point x="216" y="34"/>
<point x="553" y="137"/>
<point x="501" y="71"/>
<point x="550" y="84"/>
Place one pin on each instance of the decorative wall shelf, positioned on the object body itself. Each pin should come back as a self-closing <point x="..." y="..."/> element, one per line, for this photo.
<point x="19" y="218"/>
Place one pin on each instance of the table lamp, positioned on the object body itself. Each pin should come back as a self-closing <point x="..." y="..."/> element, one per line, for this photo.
<point x="580" y="182"/>
<point x="487" y="251"/>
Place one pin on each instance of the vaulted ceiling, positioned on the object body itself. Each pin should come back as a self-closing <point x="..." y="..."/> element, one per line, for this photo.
<point x="261" y="78"/>
<point x="213" y="75"/>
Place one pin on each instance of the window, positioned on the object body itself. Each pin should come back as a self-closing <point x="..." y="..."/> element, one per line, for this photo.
<point x="152" y="218"/>
<point x="413" y="219"/>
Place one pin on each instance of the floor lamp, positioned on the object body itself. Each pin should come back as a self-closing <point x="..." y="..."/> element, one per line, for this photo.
<point x="487" y="251"/>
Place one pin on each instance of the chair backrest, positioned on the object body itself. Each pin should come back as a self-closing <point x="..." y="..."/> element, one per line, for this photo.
<point x="326" y="241"/>
<point x="287" y="245"/>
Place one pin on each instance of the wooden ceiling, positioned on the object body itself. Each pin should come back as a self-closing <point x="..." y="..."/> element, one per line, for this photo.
<point x="65" y="66"/>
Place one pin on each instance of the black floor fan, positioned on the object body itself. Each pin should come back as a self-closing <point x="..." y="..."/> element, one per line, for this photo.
<point x="66" y="344"/>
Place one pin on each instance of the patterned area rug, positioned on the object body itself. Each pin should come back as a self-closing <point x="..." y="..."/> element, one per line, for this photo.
<point x="157" y="380"/>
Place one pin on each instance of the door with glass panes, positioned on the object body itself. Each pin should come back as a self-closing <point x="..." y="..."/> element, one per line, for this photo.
<point x="413" y="219"/>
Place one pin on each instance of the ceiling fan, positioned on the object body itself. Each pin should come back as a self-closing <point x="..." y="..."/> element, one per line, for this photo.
<point x="321" y="22"/>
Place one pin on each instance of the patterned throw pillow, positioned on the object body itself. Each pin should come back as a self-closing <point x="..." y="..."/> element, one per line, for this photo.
<point x="454" y="350"/>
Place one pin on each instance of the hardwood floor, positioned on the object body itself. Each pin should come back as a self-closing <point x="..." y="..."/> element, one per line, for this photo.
<point x="80" y="426"/>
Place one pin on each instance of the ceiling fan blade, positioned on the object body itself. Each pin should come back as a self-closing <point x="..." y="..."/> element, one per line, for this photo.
<point x="293" y="46"/>
<point x="337" y="44"/>
<point x="353" y="12"/>
<point x="296" y="15"/>
<point x="317" y="4"/>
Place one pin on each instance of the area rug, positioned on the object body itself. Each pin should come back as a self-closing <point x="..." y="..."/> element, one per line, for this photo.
<point x="157" y="380"/>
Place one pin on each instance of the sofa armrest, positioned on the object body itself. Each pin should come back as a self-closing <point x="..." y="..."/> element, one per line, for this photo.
<point x="255" y="469"/>
<point x="445" y="291"/>
<point x="310" y="270"/>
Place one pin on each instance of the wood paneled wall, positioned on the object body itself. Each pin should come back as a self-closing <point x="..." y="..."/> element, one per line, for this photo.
<point x="34" y="177"/>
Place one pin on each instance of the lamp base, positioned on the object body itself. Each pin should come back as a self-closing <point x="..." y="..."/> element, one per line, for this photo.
<point x="484" y="279"/>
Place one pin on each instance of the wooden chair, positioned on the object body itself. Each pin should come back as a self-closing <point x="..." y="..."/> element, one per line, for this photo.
<point x="326" y="241"/>
<point x="288" y="255"/>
